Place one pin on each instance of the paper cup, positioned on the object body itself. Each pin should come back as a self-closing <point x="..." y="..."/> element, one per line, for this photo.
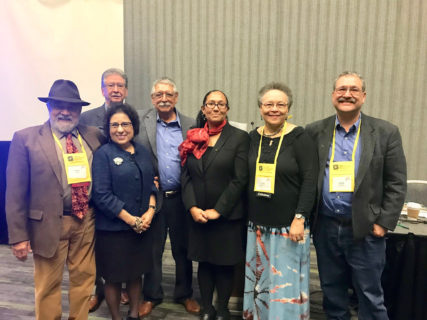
<point x="413" y="209"/>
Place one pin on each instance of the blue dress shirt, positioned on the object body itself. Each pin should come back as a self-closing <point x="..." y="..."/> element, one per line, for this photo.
<point x="168" y="138"/>
<point x="339" y="203"/>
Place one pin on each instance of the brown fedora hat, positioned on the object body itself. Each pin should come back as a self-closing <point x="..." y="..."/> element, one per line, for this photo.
<point x="64" y="90"/>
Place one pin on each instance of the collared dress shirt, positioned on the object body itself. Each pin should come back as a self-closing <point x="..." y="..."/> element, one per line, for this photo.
<point x="168" y="138"/>
<point x="339" y="203"/>
<point x="62" y="139"/>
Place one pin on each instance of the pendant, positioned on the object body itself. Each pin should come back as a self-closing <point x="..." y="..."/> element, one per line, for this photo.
<point x="271" y="142"/>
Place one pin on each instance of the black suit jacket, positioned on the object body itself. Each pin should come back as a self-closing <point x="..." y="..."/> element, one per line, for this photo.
<point x="380" y="183"/>
<point x="221" y="184"/>
<point x="94" y="117"/>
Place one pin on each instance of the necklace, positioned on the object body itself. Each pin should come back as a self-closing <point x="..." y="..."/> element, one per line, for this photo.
<point x="272" y="134"/>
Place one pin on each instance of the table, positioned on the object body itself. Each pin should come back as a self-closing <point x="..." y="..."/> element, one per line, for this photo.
<point x="405" y="274"/>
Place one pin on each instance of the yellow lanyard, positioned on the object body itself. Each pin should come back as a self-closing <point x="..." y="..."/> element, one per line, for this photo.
<point x="76" y="164"/>
<point x="342" y="173"/>
<point x="60" y="146"/>
<point x="354" y="147"/>
<point x="265" y="173"/>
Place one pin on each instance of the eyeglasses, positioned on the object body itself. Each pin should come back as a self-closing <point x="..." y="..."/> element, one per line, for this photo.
<point x="159" y="95"/>
<point x="220" y="105"/>
<point x="112" y="85"/>
<point x="354" y="91"/>
<point x="279" y="105"/>
<point x="124" y="125"/>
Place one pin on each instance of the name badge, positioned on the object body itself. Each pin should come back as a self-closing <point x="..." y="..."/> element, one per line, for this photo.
<point x="76" y="168"/>
<point x="265" y="175"/>
<point x="341" y="176"/>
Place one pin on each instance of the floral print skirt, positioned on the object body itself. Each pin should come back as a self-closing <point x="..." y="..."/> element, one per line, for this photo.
<point x="276" y="275"/>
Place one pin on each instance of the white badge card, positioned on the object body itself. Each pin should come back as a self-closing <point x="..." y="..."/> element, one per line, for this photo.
<point x="76" y="167"/>
<point x="264" y="177"/>
<point x="341" y="175"/>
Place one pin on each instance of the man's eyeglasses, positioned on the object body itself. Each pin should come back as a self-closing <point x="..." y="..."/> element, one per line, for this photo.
<point x="159" y="95"/>
<point x="220" y="105"/>
<point x="112" y="85"/>
<point x="354" y="91"/>
<point x="279" y="105"/>
<point x="124" y="125"/>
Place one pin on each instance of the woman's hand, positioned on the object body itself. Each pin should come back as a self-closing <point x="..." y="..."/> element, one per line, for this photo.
<point x="146" y="218"/>
<point x="134" y="222"/>
<point x="212" y="214"/>
<point x="198" y="215"/>
<point x="296" y="232"/>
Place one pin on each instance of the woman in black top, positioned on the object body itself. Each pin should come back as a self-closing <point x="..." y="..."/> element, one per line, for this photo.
<point x="214" y="178"/>
<point x="282" y="189"/>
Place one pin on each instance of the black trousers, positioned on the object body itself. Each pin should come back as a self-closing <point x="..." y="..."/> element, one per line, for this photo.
<point x="173" y="218"/>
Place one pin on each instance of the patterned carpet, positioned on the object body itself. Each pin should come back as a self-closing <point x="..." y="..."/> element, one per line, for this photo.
<point x="17" y="291"/>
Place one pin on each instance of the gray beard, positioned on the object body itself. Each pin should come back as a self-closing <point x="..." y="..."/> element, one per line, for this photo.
<point x="63" y="128"/>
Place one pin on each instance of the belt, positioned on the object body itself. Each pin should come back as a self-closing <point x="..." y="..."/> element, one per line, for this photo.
<point x="171" y="193"/>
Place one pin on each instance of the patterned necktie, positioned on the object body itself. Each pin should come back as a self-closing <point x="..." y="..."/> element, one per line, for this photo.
<point x="79" y="191"/>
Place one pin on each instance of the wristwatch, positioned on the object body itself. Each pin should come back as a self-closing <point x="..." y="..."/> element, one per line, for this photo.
<point x="299" y="216"/>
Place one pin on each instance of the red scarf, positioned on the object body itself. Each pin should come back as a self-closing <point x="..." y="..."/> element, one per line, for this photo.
<point x="197" y="141"/>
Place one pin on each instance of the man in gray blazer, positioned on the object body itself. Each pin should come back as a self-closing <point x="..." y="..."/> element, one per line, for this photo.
<point x="114" y="88"/>
<point x="361" y="190"/>
<point x="163" y="129"/>
<point x="47" y="202"/>
<point x="114" y="84"/>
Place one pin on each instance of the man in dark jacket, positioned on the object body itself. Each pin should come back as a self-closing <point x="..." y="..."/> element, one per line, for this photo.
<point x="361" y="190"/>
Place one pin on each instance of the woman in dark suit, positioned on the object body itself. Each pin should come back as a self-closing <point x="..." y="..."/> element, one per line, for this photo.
<point x="214" y="178"/>
<point x="124" y="197"/>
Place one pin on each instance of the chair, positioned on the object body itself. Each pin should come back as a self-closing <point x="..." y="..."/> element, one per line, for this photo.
<point x="417" y="192"/>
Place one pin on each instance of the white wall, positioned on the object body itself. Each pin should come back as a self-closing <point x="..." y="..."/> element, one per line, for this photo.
<point x="46" y="40"/>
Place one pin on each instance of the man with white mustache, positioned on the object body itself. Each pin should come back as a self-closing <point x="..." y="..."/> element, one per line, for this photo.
<point x="361" y="190"/>
<point x="47" y="202"/>
<point x="163" y="129"/>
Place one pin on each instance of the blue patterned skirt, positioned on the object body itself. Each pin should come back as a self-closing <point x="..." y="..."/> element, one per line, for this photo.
<point x="277" y="275"/>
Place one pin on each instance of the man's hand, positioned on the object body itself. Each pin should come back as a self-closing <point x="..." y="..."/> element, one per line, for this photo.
<point x="156" y="182"/>
<point x="378" y="231"/>
<point x="21" y="249"/>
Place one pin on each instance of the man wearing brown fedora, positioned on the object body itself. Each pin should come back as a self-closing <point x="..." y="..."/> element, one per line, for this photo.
<point x="47" y="202"/>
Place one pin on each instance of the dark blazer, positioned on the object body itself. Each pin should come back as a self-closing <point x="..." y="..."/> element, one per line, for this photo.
<point x="147" y="137"/>
<point x="34" y="204"/>
<point x="117" y="184"/>
<point x="221" y="184"/>
<point x="380" y="183"/>
<point x="94" y="117"/>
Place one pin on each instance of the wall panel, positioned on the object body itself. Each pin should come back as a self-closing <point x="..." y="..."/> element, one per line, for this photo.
<point x="239" y="45"/>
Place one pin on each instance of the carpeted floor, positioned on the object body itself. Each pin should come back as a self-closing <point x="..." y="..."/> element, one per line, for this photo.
<point x="17" y="291"/>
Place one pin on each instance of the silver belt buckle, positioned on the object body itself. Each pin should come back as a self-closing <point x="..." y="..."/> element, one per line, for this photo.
<point x="170" y="193"/>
